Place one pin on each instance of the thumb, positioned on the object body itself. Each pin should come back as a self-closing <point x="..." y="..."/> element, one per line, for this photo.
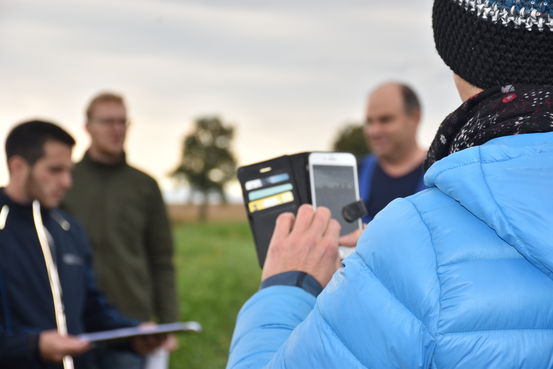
<point x="351" y="239"/>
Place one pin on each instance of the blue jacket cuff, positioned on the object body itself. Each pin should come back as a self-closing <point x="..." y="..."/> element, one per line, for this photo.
<point x="294" y="278"/>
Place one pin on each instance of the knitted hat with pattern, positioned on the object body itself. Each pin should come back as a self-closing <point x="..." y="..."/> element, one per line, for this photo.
<point x="496" y="42"/>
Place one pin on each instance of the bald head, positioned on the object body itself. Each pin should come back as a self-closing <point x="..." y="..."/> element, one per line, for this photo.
<point x="400" y="92"/>
<point x="392" y="118"/>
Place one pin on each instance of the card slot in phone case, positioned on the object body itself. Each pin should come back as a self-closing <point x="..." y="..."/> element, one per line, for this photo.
<point x="264" y="223"/>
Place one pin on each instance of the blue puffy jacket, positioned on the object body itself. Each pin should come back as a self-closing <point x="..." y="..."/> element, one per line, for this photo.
<point x="457" y="276"/>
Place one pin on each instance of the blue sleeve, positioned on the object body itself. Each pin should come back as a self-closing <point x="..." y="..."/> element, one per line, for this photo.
<point x="372" y="314"/>
<point x="365" y="173"/>
<point x="18" y="347"/>
<point x="265" y="322"/>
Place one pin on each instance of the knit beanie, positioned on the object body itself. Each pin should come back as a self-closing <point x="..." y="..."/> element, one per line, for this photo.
<point x="492" y="43"/>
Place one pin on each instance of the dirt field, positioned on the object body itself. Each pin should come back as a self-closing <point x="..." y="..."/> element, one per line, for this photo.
<point x="189" y="213"/>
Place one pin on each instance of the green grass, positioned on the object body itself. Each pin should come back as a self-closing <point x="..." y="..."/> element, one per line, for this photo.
<point x="217" y="271"/>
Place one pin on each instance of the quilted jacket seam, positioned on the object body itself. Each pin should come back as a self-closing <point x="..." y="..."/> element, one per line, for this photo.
<point x="366" y="267"/>
<point x="392" y="295"/>
<point x="335" y="335"/>
<point x="437" y="277"/>
<point x="512" y="231"/>
<point x="468" y="163"/>
<point x="480" y="161"/>
<point x="498" y="330"/>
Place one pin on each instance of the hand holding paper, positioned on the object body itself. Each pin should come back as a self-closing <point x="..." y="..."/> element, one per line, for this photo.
<point x="53" y="346"/>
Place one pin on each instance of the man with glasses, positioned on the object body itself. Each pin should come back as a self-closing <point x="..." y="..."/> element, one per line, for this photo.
<point x="124" y="214"/>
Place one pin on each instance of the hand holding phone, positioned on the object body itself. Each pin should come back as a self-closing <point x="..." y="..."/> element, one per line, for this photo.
<point x="307" y="242"/>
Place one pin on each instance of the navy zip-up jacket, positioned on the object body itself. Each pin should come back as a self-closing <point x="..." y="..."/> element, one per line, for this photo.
<point x="26" y="305"/>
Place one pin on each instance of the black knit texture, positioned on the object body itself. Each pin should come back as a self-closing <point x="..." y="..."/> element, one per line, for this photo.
<point x="488" y="54"/>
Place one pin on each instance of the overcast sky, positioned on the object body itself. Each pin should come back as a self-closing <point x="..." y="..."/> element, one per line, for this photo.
<point x="288" y="74"/>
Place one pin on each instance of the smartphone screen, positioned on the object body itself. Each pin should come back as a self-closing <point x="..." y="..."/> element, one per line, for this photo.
<point x="334" y="187"/>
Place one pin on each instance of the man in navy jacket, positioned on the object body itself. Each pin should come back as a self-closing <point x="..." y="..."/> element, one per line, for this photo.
<point x="39" y="162"/>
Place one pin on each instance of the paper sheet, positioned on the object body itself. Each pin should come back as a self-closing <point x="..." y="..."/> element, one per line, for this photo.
<point x="141" y="331"/>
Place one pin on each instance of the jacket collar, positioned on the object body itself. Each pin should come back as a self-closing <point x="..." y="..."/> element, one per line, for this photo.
<point x="24" y="209"/>
<point x="7" y="200"/>
<point x="87" y="159"/>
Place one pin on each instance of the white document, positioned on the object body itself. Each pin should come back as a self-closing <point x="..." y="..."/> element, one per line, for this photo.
<point x="141" y="331"/>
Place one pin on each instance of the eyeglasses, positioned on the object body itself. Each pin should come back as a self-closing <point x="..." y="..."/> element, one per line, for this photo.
<point x="112" y="122"/>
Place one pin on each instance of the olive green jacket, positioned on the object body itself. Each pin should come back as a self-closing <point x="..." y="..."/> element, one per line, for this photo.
<point x="125" y="217"/>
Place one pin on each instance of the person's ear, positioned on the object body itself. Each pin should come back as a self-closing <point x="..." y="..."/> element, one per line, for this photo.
<point x="466" y="89"/>
<point x="415" y="117"/>
<point x="18" y="166"/>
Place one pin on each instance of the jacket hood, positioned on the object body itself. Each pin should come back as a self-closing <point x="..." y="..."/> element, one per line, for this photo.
<point x="508" y="184"/>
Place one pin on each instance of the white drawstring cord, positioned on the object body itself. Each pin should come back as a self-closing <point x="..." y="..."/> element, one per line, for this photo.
<point x="53" y="278"/>
<point x="4" y="216"/>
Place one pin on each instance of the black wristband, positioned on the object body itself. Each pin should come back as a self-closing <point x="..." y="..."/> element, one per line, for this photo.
<point x="294" y="278"/>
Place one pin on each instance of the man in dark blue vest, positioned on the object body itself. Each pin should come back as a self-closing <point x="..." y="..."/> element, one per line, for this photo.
<point x="395" y="169"/>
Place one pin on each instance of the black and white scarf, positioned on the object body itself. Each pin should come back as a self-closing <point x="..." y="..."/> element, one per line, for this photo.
<point x="495" y="112"/>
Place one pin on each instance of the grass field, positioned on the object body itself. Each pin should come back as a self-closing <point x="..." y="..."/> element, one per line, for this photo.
<point x="217" y="271"/>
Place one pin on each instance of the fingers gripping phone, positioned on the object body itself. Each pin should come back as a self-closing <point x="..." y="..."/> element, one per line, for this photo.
<point x="333" y="179"/>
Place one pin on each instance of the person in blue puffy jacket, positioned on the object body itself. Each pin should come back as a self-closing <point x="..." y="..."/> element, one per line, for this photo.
<point x="459" y="275"/>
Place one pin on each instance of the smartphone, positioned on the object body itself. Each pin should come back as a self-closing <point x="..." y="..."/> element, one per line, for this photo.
<point x="333" y="178"/>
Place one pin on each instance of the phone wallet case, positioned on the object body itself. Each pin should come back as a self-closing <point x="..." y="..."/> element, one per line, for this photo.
<point x="280" y="185"/>
<point x="262" y="221"/>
